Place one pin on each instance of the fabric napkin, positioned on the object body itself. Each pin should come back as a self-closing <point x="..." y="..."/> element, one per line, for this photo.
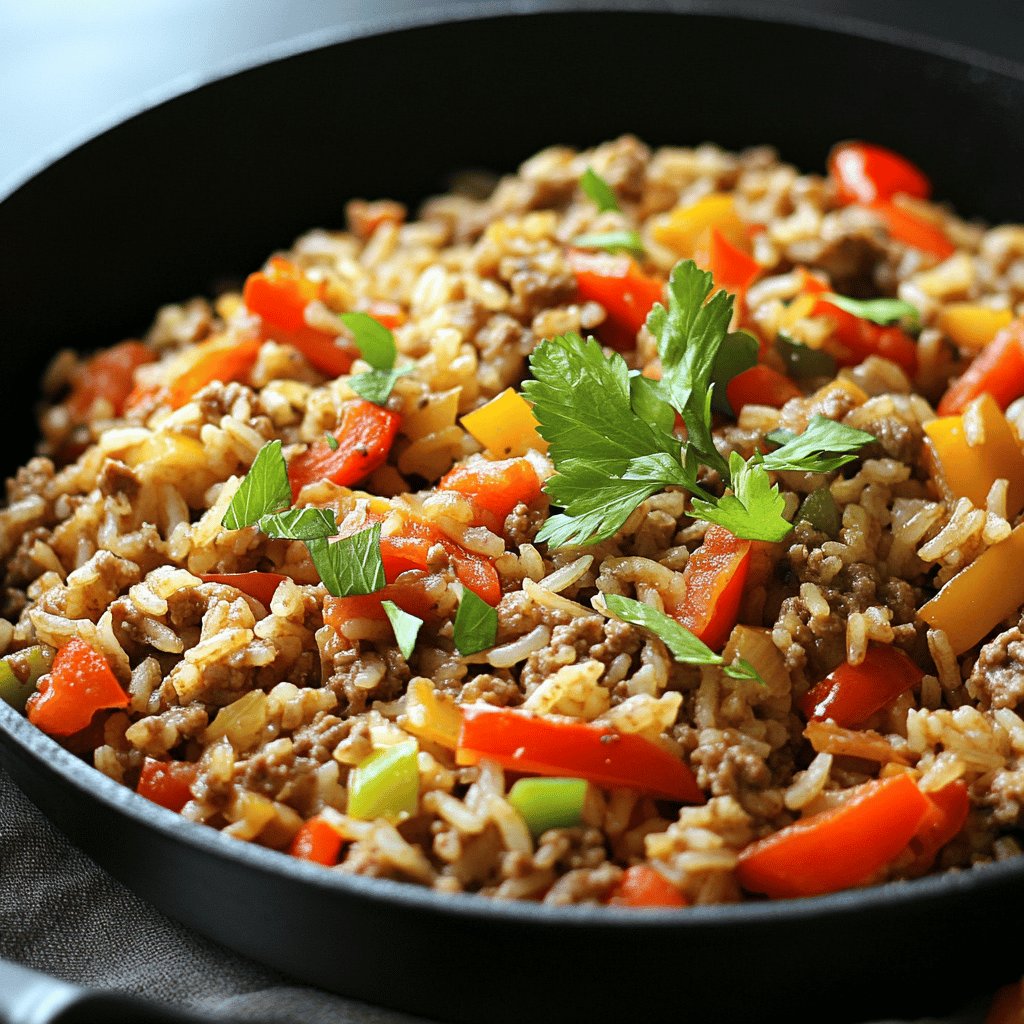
<point x="62" y="914"/>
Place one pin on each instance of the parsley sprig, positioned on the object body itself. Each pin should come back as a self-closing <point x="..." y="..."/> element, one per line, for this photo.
<point x="610" y="431"/>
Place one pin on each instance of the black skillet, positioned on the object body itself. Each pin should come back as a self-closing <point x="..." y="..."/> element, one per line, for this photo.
<point x="202" y="187"/>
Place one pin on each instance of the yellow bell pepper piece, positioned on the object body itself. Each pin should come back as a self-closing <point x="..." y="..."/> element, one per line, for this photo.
<point x="976" y="600"/>
<point x="972" y="326"/>
<point x="965" y="472"/>
<point x="687" y="229"/>
<point x="505" y="426"/>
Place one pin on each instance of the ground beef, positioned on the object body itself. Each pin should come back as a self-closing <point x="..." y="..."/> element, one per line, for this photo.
<point x="278" y="772"/>
<point x="998" y="677"/>
<point x="895" y="438"/>
<point x="591" y="637"/>
<point x="156" y="735"/>
<point x="539" y="283"/>
<point x="726" y="763"/>
<point x="522" y="525"/>
<point x="1005" y="796"/>
<point x="118" y="479"/>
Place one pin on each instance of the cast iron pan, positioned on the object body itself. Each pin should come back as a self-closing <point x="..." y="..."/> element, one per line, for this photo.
<point x="204" y="186"/>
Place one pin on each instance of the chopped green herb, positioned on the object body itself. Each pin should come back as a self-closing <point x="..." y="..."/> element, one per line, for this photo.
<point x="583" y="402"/>
<point x="802" y="361"/>
<point x="819" y="508"/>
<point x="406" y="627"/>
<point x="264" y="491"/>
<point x="332" y="441"/>
<point x="690" y="333"/>
<point x="754" y="509"/>
<point x="612" y="241"/>
<point x="376" y="385"/>
<point x="375" y="342"/>
<point x="685" y="647"/>
<point x="599" y="191"/>
<point x="879" y="311"/>
<point x="350" y="566"/>
<point x="824" y="446"/>
<point x="476" y="624"/>
<point x="307" y="523"/>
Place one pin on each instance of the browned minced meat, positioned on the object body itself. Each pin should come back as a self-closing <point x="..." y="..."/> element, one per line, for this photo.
<point x="728" y="766"/>
<point x="1005" y="795"/>
<point x="998" y="677"/>
<point x="894" y="437"/>
<point x="118" y="479"/>
<point x="278" y="771"/>
<point x="155" y="735"/>
<point x="592" y="638"/>
<point x="539" y="282"/>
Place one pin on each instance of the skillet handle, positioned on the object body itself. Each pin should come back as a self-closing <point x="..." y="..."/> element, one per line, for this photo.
<point x="28" y="997"/>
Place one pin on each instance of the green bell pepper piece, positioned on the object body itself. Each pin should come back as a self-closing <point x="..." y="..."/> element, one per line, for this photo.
<point x="822" y="512"/>
<point x="386" y="784"/>
<point x="20" y="673"/>
<point x="549" y="803"/>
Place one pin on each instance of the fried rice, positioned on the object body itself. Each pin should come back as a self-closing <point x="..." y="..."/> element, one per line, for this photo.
<point x="276" y="705"/>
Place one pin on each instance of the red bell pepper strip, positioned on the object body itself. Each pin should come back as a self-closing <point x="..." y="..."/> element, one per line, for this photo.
<point x="409" y="593"/>
<point x="409" y="550"/>
<point x="364" y="439"/>
<point x="731" y="268"/>
<point x="643" y="886"/>
<point x="167" y="783"/>
<point x="618" y="284"/>
<point x="839" y="848"/>
<point x="865" y="173"/>
<point x="563" y="747"/>
<point x="998" y="370"/>
<point x="317" y="841"/>
<point x="387" y="314"/>
<point x="79" y="684"/>
<point x="279" y="296"/>
<point x="109" y="374"/>
<point x="947" y="814"/>
<point x="715" y="575"/>
<point x="260" y="585"/>
<point x="215" y="363"/>
<point x="853" y="693"/>
<point x="860" y="338"/>
<point x="914" y="231"/>
<point x="760" y="385"/>
<point x="495" y="487"/>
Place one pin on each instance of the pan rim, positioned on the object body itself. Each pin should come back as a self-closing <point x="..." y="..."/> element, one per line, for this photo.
<point x="437" y="14"/>
<point x="119" y="799"/>
<point x="94" y="785"/>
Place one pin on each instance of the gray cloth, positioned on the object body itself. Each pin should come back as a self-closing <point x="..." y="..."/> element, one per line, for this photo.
<point x="62" y="914"/>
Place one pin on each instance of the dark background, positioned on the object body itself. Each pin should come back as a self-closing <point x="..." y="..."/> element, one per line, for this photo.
<point x="70" y="66"/>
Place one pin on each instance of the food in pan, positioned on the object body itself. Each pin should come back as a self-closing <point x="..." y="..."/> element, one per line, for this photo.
<point x="641" y="530"/>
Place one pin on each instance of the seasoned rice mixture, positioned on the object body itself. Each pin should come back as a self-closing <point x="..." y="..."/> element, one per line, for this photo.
<point x="500" y="610"/>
